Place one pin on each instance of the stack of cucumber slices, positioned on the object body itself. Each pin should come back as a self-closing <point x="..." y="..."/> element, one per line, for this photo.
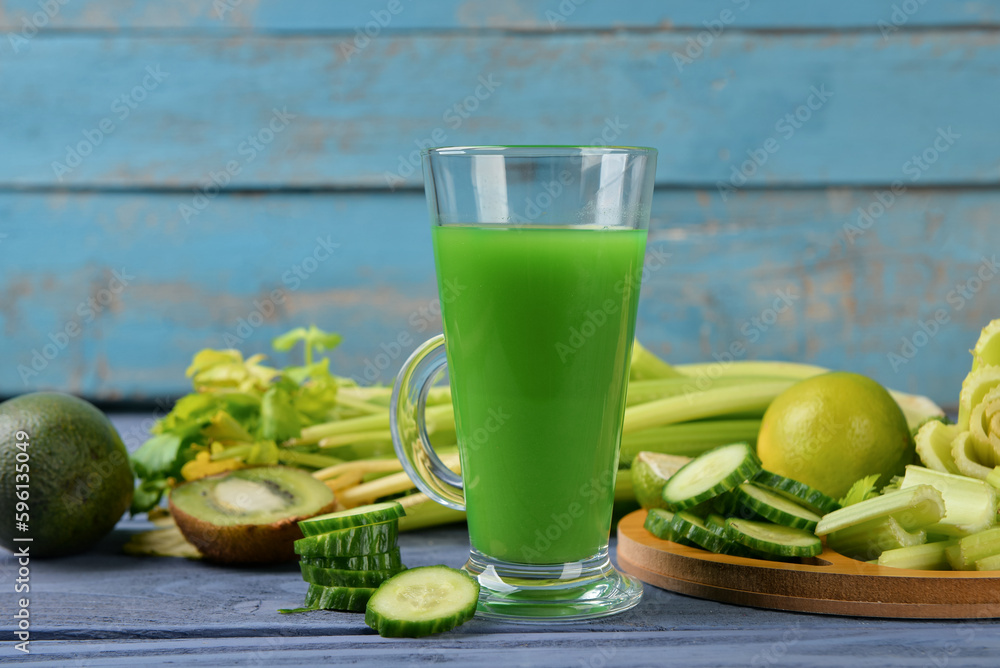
<point x="351" y="561"/>
<point x="346" y="555"/>
<point x="724" y="502"/>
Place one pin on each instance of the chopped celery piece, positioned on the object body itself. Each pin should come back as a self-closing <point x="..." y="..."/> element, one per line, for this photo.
<point x="964" y="452"/>
<point x="994" y="478"/>
<point x="913" y="507"/>
<point x="934" y="440"/>
<point x="974" y="388"/>
<point x="870" y="539"/>
<point x="987" y="350"/>
<point x="970" y="505"/>
<point x="972" y="548"/>
<point x="926" y="557"/>
<point x="981" y="438"/>
<point x="989" y="563"/>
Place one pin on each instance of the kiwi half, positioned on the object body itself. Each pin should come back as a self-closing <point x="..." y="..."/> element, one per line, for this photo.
<point x="248" y="516"/>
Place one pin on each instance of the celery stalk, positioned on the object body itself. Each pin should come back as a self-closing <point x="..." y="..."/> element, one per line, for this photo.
<point x="689" y="439"/>
<point x="963" y="450"/>
<point x="970" y="505"/>
<point x="422" y="512"/>
<point x="974" y="547"/>
<point x="913" y="507"/>
<point x="623" y="486"/>
<point x="994" y="478"/>
<point x="702" y="405"/>
<point x="307" y="459"/>
<point x="645" y="365"/>
<point x="643" y="391"/>
<point x="870" y="539"/>
<point x="787" y="370"/>
<point x="934" y="440"/>
<point x="926" y="557"/>
<point x="989" y="563"/>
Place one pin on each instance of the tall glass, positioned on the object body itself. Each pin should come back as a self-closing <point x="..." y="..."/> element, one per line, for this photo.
<point x="539" y="253"/>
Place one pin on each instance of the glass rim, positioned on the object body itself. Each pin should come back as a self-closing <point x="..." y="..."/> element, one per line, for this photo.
<point x="536" y="150"/>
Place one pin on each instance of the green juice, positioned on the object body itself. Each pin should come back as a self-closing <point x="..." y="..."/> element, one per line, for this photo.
<point x="538" y="325"/>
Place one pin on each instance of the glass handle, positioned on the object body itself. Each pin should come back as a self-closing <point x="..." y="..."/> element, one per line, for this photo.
<point x="408" y="424"/>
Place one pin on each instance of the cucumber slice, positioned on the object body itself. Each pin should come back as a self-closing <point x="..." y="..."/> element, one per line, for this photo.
<point x="709" y="475"/>
<point x="774" y="539"/>
<point x="796" y="491"/>
<point x="355" y="517"/>
<point x="353" y="542"/>
<point x="775" y="508"/>
<point x="658" y="524"/>
<point x="422" y="601"/>
<point x="369" y="562"/>
<point x="347" y="599"/>
<point x="686" y="525"/>
<point x="338" y="577"/>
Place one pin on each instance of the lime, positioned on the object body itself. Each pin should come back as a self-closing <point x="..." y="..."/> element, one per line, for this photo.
<point x="650" y="471"/>
<point x="830" y="430"/>
<point x="63" y="461"/>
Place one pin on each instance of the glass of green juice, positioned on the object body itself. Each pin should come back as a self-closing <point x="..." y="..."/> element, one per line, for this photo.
<point x="539" y="255"/>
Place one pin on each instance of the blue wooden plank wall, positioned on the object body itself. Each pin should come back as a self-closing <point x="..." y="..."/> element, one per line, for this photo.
<point x="189" y="174"/>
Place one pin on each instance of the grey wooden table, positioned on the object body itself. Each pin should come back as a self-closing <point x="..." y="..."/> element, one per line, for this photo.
<point x="107" y="608"/>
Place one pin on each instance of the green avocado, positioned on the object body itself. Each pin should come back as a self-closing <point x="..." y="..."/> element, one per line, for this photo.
<point x="72" y="478"/>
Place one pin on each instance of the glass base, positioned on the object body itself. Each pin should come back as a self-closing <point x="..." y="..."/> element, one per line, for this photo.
<point x="553" y="592"/>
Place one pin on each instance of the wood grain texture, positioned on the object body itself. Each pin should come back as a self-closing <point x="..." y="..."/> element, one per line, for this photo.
<point x="716" y="271"/>
<point x="321" y="15"/>
<point x="357" y="121"/>
<point x="106" y="608"/>
<point x="830" y="584"/>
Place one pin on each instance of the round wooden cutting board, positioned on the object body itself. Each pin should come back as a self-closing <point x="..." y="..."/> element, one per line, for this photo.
<point x="829" y="584"/>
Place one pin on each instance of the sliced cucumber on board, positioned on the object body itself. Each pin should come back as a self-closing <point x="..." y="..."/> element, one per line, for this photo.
<point x="796" y="491"/>
<point x="710" y="474"/>
<point x="775" y="507"/>
<point x="774" y="539"/>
